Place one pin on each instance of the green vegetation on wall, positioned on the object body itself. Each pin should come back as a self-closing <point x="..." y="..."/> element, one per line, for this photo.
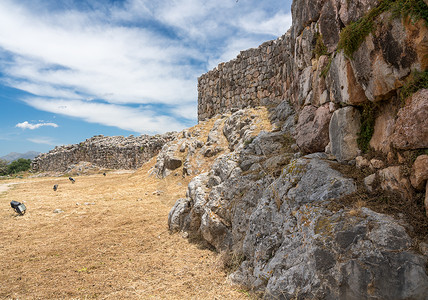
<point x="353" y="35"/>
<point x="418" y="80"/>
<point x="320" y="48"/>
<point x="368" y="118"/>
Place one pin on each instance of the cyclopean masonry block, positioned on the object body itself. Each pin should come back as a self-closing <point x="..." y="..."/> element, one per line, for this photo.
<point x="344" y="129"/>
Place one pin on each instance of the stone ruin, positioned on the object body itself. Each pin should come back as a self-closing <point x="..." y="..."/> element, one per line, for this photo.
<point x="114" y="152"/>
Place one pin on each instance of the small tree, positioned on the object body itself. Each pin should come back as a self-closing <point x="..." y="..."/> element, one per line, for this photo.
<point x="19" y="165"/>
<point x="3" y="167"/>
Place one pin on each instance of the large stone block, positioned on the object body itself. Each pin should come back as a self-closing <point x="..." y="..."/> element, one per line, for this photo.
<point x="312" y="129"/>
<point x="384" y="127"/>
<point x="386" y="57"/>
<point x="419" y="172"/>
<point x="329" y="25"/>
<point x="344" y="129"/>
<point x="344" y="86"/>
<point x="411" y="127"/>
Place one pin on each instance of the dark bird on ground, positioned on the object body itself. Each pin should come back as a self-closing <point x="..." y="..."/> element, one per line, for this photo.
<point x="104" y="174"/>
<point x="55" y="187"/>
<point x="72" y="179"/>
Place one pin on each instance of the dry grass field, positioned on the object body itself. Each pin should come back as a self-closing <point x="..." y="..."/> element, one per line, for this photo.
<point x="110" y="242"/>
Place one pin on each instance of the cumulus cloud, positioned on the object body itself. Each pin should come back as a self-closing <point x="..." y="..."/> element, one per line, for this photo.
<point x="27" y="125"/>
<point x="129" y="54"/>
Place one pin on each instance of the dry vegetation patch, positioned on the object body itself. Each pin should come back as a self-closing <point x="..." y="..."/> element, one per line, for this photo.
<point x="110" y="242"/>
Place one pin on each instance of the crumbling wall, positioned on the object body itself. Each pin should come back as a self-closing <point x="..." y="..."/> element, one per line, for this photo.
<point x="115" y="152"/>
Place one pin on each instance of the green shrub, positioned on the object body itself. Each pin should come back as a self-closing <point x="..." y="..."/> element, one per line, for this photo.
<point x="352" y="36"/>
<point x="19" y="165"/>
<point x="368" y="118"/>
<point x="415" y="9"/>
<point x="320" y="48"/>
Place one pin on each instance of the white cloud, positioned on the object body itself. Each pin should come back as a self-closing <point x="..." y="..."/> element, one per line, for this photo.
<point x="27" y="125"/>
<point x="42" y="140"/>
<point x="129" y="118"/>
<point x="135" y="52"/>
<point x="259" y="23"/>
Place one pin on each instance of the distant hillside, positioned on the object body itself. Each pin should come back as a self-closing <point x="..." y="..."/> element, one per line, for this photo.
<point x="14" y="155"/>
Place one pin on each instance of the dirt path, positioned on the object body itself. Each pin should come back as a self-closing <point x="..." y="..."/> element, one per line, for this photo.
<point x="110" y="242"/>
<point x="6" y="186"/>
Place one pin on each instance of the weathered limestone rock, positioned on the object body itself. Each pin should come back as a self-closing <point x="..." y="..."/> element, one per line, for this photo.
<point x="304" y="12"/>
<point x="419" y="172"/>
<point x="393" y="180"/>
<point x="293" y="245"/>
<point x="361" y="162"/>
<point x="329" y="25"/>
<point x="312" y="129"/>
<point x="344" y="128"/>
<point x="383" y="129"/>
<point x="319" y="86"/>
<point x="176" y="216"/>
<point x="385" y="58"/>
<point x="411" y="127"/>
<point x="344" y="86"/>
<point x="351" y="11"/>
<point x="369" y="182"/>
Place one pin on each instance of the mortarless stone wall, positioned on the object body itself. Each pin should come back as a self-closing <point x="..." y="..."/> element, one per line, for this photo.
<point x="115" y="152"/>
<point x="256" y="77"/>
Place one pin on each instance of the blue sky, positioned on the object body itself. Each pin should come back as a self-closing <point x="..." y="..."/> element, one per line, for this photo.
<point x="72" y="69"/>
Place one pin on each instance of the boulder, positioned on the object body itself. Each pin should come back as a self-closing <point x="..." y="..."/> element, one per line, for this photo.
<point x="369" y="182"/>
<point x="411" y="127"/>
<point x="176" y="216"/>
<point x="419" y="172"/>
<point x="344" y="86"/>
<point x="361" y="162"/>
<point x="391" y="179"/>
<point x="384" y="127"/>
<point x="312" y="129"/>
<point x="386" y="58"/>
<point x="344" y="129"/>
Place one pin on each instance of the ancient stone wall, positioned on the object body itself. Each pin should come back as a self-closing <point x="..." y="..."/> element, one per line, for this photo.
<point x="115" y="152"/>
<point x="254" y="78"/>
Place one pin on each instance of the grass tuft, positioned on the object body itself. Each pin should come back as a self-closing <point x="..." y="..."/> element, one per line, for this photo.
<point x="417" y="80"/>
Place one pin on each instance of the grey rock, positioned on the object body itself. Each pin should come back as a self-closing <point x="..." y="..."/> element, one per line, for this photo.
<point x="313" y="129"/>
<point x="344" y="129"/>
<point x="176" y="216"/>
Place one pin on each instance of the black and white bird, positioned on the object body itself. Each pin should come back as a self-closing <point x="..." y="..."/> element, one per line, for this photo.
<point x="72" y="179"/>
<point x="55" y="187"/>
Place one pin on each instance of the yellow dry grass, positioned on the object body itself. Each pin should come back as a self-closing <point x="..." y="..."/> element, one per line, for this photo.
<point x="111" y="242"/>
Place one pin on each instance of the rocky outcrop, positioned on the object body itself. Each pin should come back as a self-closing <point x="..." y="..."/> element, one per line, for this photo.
<point x="116" y="152"/>
<point x="276" y="208"/>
